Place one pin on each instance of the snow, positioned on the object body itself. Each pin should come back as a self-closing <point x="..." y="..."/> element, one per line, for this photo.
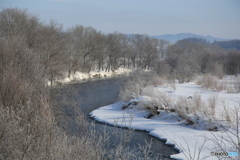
<point x="189" y="89"/>
<point x="167" y="126"/>
<point x="80" y="76"/>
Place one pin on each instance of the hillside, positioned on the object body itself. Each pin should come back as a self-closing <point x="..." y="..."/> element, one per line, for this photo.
<point x="173" y="38"/>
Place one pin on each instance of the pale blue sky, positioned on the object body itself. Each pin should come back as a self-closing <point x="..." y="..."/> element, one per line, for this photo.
<point x="218" y="18"/>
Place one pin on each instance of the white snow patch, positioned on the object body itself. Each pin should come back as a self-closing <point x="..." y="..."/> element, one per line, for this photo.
<point x="80" y="76"/>
<point x="166" y="126"/>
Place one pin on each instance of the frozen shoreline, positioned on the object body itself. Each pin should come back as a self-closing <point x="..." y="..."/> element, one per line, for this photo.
<point x="93" y="75"/>
<point x="165" y="126"/>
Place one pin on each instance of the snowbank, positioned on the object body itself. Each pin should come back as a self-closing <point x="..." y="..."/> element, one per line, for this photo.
<point x="80" y="76"/>
<point x="192" y="141"/>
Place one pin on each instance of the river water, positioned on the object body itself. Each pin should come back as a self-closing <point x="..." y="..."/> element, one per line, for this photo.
<point x="94" y="94"/>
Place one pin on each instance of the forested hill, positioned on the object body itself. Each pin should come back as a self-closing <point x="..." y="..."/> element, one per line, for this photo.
<point x="173" y="38"/>
<point x="231" y="44"/>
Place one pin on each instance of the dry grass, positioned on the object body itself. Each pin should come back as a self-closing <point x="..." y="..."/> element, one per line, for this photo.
<point x="234" y="86"/>
<point x="211" y="82"/>
<point x="158" y="99"/>
<point x="193" y="111"/>
<point x="212" y="102"/>
<point x="133" y="86"/>
<point x="137" y="81"/>
<point x="155" y="80"/>
<point x="237" y="85"/>
<point x="208" y="81"/>
<point x="229" y="139"/>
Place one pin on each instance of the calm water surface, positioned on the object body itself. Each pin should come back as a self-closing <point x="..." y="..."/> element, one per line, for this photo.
<point x="94" y="94"/>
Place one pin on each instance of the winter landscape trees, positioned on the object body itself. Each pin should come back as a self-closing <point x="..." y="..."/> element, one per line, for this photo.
<point x="33" y="53"/>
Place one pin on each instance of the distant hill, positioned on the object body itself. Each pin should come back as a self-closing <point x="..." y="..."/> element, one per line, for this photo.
<point x="231" y="44"/>
<point x="174" y="38"/>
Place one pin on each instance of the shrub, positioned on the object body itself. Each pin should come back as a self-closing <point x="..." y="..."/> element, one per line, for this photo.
<point x="237" y="85"/>
<point x="158" y="99"/>
<point x="212" y="102"/>
<point x="133" y="86"/>
<point x="155" y="80"/>
<point x="211" y="82"/>
<point x="184" y="108"/>
<point x="234" y="86"/>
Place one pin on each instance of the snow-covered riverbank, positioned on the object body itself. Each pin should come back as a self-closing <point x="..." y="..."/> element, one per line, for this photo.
<point x="80" y="76"/>
<point x="192" y="139"/>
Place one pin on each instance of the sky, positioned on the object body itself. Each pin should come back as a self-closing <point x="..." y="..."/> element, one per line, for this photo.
<point x="218" y="18"/>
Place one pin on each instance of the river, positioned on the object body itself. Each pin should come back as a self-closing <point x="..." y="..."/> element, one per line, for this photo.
<point x="94" y="94"/>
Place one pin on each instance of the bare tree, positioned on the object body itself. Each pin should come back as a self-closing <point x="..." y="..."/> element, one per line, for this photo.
<point x="162" y="48"/>
<point x="52" y="47"/>
<point x="233" y="66"/>
<point x="113" y="51"/>
<point x="143" y="51"/>
<point x="17" y="22"/>
<point x="187" y="67"/>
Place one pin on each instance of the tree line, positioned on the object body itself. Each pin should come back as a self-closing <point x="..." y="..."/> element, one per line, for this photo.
<point x="85" y="49"/>
<point x="78" y="48"/>
<point x="192" y="56"/>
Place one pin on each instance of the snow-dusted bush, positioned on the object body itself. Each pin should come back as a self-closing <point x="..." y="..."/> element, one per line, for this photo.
<point x="228" y="115"/>
<point x="183" y="109"/>
<point x="208" y="81"/>
<point x="194" y="111"/>
<point x="136" y="82"/>
<point x="155" y="80"/>
<point x="133" y="86"/>
<point x="212" y="102"/>
<point x="234" y="85"/>
<point x="158" y="99"/>
<point x="130" y="90"/>
<point x="215" y="69"/>
<point x="211" y="82"/>
<point x="197" y="102"/>
<point x="237" y="85"/>
<point x="218" y="70"/>
<point x="229" y="139"/>
<point x="192" y="153"/>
